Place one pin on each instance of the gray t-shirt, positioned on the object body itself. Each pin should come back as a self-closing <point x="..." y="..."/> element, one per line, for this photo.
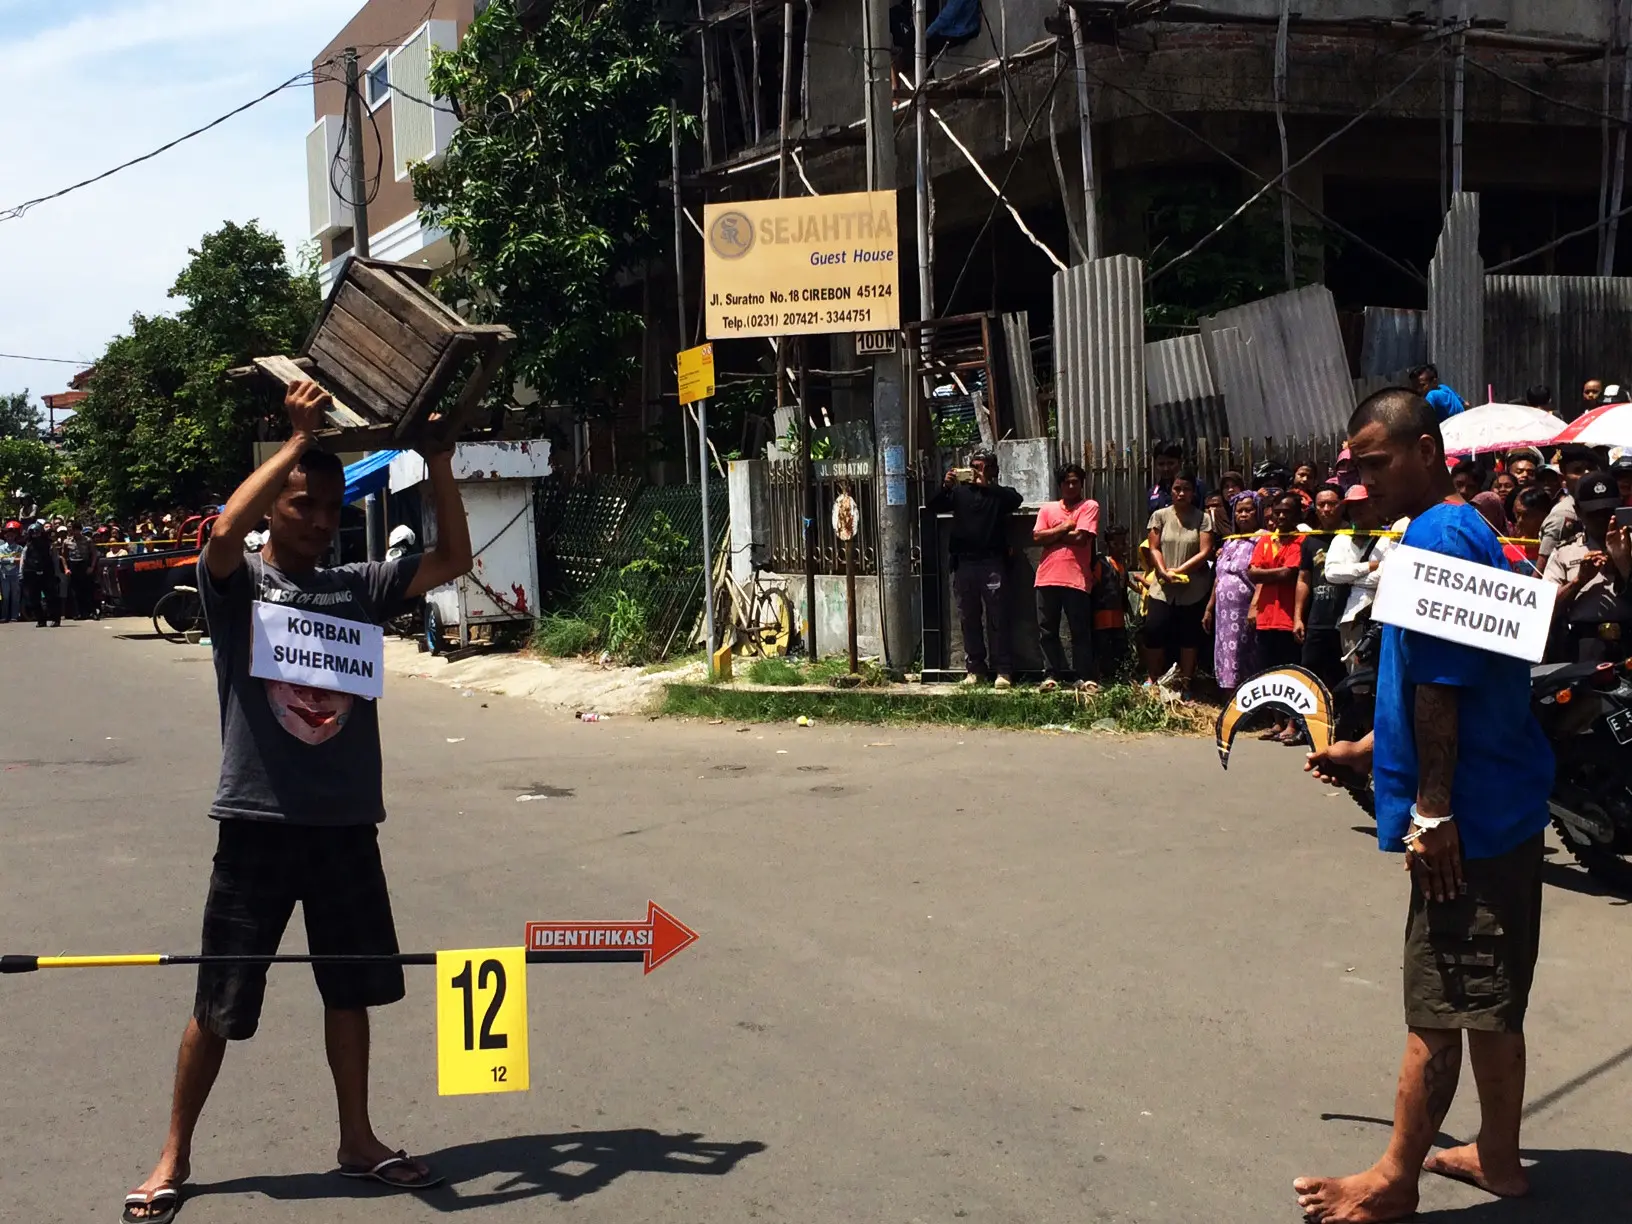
<point x="291" y="754"/>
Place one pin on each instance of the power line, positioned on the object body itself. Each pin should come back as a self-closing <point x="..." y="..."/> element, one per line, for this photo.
<point x="12" y="214"/>
<point x="53" y="360"/>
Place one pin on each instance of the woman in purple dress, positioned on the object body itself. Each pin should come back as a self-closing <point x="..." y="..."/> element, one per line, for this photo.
<point x="1228" y="614"/>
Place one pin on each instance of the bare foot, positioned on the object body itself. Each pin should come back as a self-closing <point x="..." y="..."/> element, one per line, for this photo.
<point x="1365" y="1198"/>
<point x="1465" y="1165"/>
<point x="169" y="1173"/>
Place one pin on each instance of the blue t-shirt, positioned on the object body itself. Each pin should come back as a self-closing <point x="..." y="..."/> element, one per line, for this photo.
<point x="1447" y="403"/>
<point x="1504" y="765"/>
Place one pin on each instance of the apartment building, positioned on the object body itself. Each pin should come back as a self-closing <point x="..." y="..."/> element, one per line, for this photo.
<point x="402" y="124"/>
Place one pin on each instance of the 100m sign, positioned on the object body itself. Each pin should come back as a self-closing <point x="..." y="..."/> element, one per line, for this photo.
<point x="481" y="1021"/>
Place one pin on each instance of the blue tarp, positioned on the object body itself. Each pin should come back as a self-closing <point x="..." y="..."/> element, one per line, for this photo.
<point x="369" y="475"/>
<point x="959" y="21"/>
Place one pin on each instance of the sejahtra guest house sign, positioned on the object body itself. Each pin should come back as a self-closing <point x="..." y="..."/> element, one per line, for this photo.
<point x="805" y="266"/>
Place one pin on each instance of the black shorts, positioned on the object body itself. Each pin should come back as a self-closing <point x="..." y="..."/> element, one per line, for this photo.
<point x="261" y="870"/>
<point x="1277" y="648"/>
<point x="1173" y="626"/>
<point x="1469" y="962"/>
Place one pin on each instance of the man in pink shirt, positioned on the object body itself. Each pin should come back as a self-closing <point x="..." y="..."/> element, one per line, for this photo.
<point x="1066" y="530"/>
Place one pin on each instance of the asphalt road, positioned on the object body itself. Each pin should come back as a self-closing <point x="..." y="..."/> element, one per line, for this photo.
<point x="943" y="975"/>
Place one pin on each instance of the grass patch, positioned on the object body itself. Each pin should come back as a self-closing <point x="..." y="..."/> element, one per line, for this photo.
<point x="565" y="637"/>
<point x="1023" y="708"/>
<point x="772" y="671"/>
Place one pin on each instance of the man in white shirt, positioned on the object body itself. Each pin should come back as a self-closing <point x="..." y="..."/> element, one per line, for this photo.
<point x="1353" y="561"/>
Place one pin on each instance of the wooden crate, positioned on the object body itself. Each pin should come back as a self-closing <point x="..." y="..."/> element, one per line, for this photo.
<point x="388" y="350"/>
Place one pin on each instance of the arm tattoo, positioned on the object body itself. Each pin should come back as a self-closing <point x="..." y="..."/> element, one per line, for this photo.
<point x="1436" y="728"/>
<point x="1439" y="1078"/>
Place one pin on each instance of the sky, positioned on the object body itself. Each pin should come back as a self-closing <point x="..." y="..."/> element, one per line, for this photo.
<point x="87" y="84"/>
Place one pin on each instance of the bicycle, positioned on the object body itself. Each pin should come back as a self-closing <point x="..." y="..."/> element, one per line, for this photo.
<point x="761" y="616"/>
<point x="179" y="612"/>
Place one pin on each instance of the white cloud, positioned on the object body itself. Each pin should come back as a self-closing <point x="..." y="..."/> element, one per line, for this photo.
<point x="85" y="85"/>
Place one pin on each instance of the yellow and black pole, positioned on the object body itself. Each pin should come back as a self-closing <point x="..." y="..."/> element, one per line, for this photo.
<point x="10" y="963"/>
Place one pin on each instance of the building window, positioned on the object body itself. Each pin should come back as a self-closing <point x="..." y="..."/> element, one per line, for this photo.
<point x="377" y="84"/>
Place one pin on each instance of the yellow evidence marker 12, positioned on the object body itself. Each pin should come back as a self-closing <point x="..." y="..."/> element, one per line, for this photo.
<point x="481" y="1021"/>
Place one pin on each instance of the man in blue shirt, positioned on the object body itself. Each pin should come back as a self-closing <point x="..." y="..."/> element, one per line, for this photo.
<point x="1462" y="774"/>
<point x="1445" y="402"/>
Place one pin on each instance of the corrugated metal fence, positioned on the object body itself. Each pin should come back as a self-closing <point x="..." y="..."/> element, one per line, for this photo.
<point x="1297" y="345"/>
<point x="1557" y="330"/>
<point x="1184" y="399"/>
<point x="1099" y="353"/>
<point x="1456" y="301"/>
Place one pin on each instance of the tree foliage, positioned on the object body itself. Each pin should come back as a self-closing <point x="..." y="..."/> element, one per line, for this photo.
<point x="1242" y="264"/>
<point x="551" y="184"/>
<point x="161" y="425"/>
<point x="19" y="418"/>
<point x="30" y="472"/>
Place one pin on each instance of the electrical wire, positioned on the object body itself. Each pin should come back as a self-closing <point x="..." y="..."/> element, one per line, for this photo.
<point x="17" y="211"/>
<point x="370" y="185"/>
<point x="52" y="360"/>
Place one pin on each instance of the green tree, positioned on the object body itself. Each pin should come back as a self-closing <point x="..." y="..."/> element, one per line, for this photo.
<point x="161" y="425"/>
<point x="18" y="416"/>
<point x="30" y="472"/>
<point x="1243" y="263"/>
<point x="551" y="183"/>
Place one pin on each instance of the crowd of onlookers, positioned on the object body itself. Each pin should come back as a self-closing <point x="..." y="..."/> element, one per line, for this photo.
<point x="1273" y="567"/>
<point x="1282" y="568"/>
<point x="49" y="566"/>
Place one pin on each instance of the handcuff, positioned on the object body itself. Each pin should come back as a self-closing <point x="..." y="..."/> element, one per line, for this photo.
<point x="1421" y="824"/>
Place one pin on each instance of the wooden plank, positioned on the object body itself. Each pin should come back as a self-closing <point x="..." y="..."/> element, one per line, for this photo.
<point x="413" y="422"/>
<point x="347" y="327"/>
<point x="387" y="327"/>
<point x="390" y="295"/>
<point x="334" y="350"/>
<point x="492" y="360"/>
<point x="358" y="394"/>
<point x="432" y="302"/>
<point x="288" y="372"/>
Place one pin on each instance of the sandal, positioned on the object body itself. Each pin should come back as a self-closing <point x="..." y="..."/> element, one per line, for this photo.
<point x="161" y="1205"/>
<point x="1050" y="685"/>
<point x="421" y="1181"/>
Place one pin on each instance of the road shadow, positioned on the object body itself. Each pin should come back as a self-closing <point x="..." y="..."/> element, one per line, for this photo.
<point x="1574" y="879"/>
<point x="1569" y="1186"/>
<point x="566" y="1166"/>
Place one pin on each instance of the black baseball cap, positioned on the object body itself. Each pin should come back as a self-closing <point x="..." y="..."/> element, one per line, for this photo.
<point x="1597" y="491"/>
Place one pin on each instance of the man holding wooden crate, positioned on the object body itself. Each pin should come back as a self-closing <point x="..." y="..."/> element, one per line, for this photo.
<point x="299" y="662"/>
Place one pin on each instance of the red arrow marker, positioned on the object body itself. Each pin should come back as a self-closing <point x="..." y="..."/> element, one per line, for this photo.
<point x="655" y="940"/>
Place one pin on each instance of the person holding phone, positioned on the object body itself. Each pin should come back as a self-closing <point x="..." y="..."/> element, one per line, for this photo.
<point x="1593" y="615"/>
<point x="980" y="508"/>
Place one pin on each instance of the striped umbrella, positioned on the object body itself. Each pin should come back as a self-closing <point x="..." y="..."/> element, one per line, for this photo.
<point x="1610" y="425"/>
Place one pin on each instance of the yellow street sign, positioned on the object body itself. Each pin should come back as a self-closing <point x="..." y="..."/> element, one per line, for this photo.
<point x="481" y="1021"/>
<point x="802" y="266"/>
<point x="696" y="374"/>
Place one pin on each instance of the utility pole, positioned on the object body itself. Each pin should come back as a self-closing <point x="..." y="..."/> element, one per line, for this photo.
<point x="373" y="509"/>
<point x="1085" y="136"/>
<point x="1617" y="189"/>
<point x="1282" y="36"/>
<point x="901" y="634"/>
<point x="1459" y="96"/>
<point x="354" y="130"/>
<point x="679" y="261"/>
<point x="920" y="109"/>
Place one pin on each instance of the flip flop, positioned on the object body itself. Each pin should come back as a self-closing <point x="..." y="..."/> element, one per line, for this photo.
<point x="166" y="1199"/>
<point x="377" y="1173"/>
